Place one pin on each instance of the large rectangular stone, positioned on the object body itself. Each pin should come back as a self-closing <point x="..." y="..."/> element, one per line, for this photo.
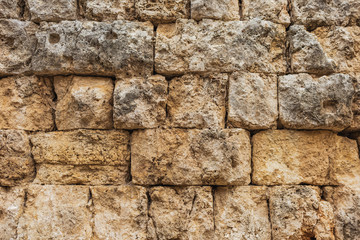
<point x="52" y="10"/>
<point x="107" y="10"/>
<point x="215" y="9"/>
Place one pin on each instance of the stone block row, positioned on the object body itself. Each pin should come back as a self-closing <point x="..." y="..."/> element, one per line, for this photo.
<point x="250" y="212"/>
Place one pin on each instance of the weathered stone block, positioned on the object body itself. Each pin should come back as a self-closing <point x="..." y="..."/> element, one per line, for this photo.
<point x="307" y="102"/>
<point x="252" y="102"/>
<point x="242" y="213"/>
<point x="56" y="212"/>
<point x="181" y="213"/>
<point x="217" y="46"/>
<point x="82" y="147"/>
<point x="304" y="157"/>
<point x="9" y="9"/>
<point x="16" y="164"/>
<point x="120" y="212"/>
<point x="94" y="48"/>
<point x="83" y="102"/>
<point x="272" y="10"/>
<point x="139" y="102"/>
<point x="355" y="106"/>
<point x="52" y="10"/>
<point x="197" y="101"/>
<point x="107" y="10"/>
<point x="215" y="9"/>
<point x="190" y="157"/>
<point x="297" y="212"/>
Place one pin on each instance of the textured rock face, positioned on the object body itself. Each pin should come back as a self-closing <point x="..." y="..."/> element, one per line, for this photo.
<point x="181" y="213"/>
<point x="252" y="100"/>
<point x="187" y="46"/>
<point x="83" y="102"/>
<point x="9" y="9"/>
<point x="56" y="212"/>
<point x="139" y="102"/>
<point x="197" y="101"/>
<point x="52" y="10"/>
<point x="190" y="157"/>
<point x="316" y="103"/>
<point x="242" y="213"/>
<point x="311" y="157"/>
<point x="107" y="10"/>
<point x="120" y="212"/>
<point x="215" y="9"/>
<point x="16" y="165"/>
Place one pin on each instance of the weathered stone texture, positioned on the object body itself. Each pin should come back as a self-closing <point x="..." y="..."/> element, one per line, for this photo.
<point x="181" y="213"/>
<point x="56" y="212"/>
<point x="242" y="213"/>
<point x="252" y="102"/>
<point x="9" y="9"/>
<point x="190" y="157"/>
<point x="304" y="157"/>
<point x="52" y="10"/>
<point x="83" y="102"/>
<point x="139" y="102"/>
<point x="217" y="46"/>
<point x="355" y="106"/>
<point x="307" y="102"/>
<point x="120" y="212"/>
<point x="215" y="9"/>
<point x="107" y="10"/>
<point x="197" y="101"/>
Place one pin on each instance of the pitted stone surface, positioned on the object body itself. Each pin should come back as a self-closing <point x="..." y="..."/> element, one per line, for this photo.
<point x="215" y="9"/>
<point x="52" y="10"/>
<point x="107" y="10"/>
<point x="9" y="9"/>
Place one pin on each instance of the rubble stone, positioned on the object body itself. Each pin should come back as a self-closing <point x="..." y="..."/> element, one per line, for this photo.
<point x="215" y="9"/>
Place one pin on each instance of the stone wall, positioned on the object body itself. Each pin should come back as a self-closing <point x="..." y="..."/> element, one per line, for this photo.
<point x="180" y="119"/>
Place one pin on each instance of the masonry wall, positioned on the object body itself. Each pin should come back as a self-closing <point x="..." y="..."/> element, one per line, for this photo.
<point x="180" y="119"/>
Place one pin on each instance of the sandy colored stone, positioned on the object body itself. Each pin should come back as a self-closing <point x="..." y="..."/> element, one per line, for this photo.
<point x="182" y="213"/>
<point x="52" y="10"/>
<point x="94" y="48"/>
<point x="252" y="102"/>
<point x="82" y="147"/>
<point x="140" y="102"/>
<point x="162" y="11"/>
<point x="107" y="10"/>
<point x="11" y="208"/>
<point x="272" y="10"/>
<point x="307" y="102"/>
<point x="9" y="9"/>
<point x="120" y="212"/>
<point x="304" y="157"/>
<point x="355" y="105"/>
<point x="215" y="9"/>
<point x="83" y="102"/>
<point x="242" y="213"/>
<point x="16" y="164"/>
<point x="217" y="46"/>
<point x="297" y="212"/>
<point x="56" y="212"/>
<point x="197" y="101"/>
<point x="190" y="157"/>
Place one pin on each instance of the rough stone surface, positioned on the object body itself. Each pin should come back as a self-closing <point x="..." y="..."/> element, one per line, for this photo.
<point x="94" y="48"/>
<point x="355" y="106"/>
<point x="190" y="157"/>
<point x="252" y="102"/>
<point x="16" y="165"/>
<point x="242" y="213"/>
<point x="197" y="101"/>
<point x="181" y="213"/>
<point x="56" y="212"/>
<point x="9" y="9"/>
<point x="52" y="10"/>
<point x="307" y="102"/>
<point x="215" y="9"/>
<point x="82" y="147"/>
<point x="120" y="212"/>
<point x="83" y="102"/>
<point x="297" y="212"/>
<point x="140" y="103"/>
<point x="304" y="157"/>
<point x="208" y="46"/>
<point x="107" y="10"/>
<point x="272" y="10"/>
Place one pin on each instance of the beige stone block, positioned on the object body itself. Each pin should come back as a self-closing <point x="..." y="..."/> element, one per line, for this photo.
<point x="52" y="10"/>
<point x="215" y="9"/>
<point x="9" y="9"/>
<point x="107" y="10"/>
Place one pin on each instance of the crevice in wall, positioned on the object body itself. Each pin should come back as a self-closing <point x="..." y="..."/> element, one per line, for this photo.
<point x="154" y="48"/>
<point x="241" y="10"/>
<point x="92" y="211"/>
<point x="129" y="177"/>
<point x="227" y="92"/>
<point x="23" y="9"/>
<point x="149" y="215"/>
<point x="269" y="217"/>
<point x="213" y="189"/>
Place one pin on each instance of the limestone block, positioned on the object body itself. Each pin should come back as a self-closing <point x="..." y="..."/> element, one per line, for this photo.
<point x="307" y="102"/>
<point x="52" y="10"/>
<point x="355" y="106"/>
<point x="218" y="46"/>
<point x="107" y="10"/>
<point x="190" y="157"/>
<point x="252" y="100"/>
<point x="140" y="102"/>
<point x="120" y="212"/>
<point x="16" y="164"/>
<point x="56" y="212"/>
<point x="9" y="9"/>
<point x="83" y="102"/>
<point x="242" y="213"/>
<point x="215" y="9"/>
<point x="181" y="213"/>
<point x="197" y="101"/>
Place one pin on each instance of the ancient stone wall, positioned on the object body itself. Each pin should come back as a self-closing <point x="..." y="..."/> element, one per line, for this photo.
<point x="179" y="119"/>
